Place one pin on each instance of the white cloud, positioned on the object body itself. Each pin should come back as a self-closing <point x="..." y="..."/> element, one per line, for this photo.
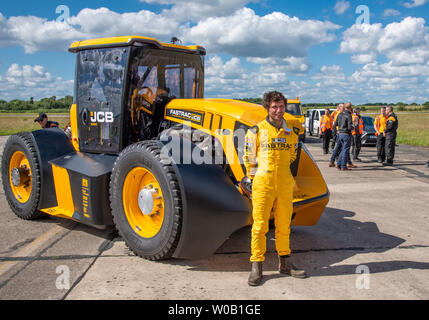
<point x="196" y="10"/>
<point x="36" y="34"/>
<point x="230" y="79"/>
<point x="274" y="35"/>
<point x="275" y="43"/>
<point x="5" y="37"/>
<point x="104" y="22"/>
<point x="405" y="42"/>
<point x="295" y="65"/>
<point x="361" y="38"/>
<point x="341" y="6"/>
<point x="363" y="58"/>
<point x="248" y="53"/>
<point x="23" y="82"/>
<point x="330" y="75"/>
<point x="242" y="33"/>
<point x="410" y="32"/>
<point x="414" y="3"/>
<point x="390" y="13"/>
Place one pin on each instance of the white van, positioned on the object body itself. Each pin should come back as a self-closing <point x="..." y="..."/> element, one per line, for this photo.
<point x="312" y="121"/>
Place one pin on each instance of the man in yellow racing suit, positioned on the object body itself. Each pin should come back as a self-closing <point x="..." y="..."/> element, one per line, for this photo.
<point x="270" y="148"/>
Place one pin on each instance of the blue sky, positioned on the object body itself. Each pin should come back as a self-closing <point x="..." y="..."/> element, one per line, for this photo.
<point x="315" y="49"/>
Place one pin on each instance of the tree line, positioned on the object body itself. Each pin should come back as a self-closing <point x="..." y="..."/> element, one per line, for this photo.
<point x="45" y="104"/>
<point x="400" y="105"/>
<point x="63" y="104"/>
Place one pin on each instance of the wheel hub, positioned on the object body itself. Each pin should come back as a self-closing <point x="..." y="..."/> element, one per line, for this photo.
<point x="145" y="200"/>
<point x="19" y="176"/>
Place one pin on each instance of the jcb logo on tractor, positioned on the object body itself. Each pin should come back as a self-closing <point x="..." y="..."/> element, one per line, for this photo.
<point x="101" y="116"/>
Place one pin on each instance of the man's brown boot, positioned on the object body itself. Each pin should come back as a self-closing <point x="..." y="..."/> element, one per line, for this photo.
<point x="255" y="277"/>
<point x="286" y="267"/>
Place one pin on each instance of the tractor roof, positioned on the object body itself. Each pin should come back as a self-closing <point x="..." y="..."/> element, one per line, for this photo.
<point x="131" y="40"/>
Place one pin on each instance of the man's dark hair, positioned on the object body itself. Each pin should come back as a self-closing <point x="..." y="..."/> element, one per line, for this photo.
<point x="272" y="96"/>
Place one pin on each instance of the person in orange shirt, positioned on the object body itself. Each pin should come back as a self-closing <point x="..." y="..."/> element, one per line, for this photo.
<point x="325" y="130"/>
<point x="334" y="116"/>
<point x="380" y="126"/>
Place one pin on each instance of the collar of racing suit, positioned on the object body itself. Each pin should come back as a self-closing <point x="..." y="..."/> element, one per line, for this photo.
<point x="284" y="124"/>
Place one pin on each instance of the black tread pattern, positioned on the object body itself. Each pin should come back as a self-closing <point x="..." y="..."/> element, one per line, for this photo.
<point x="27" y="211"/>
<point x="151" y="147"/>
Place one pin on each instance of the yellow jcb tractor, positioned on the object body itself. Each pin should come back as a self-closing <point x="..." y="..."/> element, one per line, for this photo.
<point x="294" y="108"/>
<point x="148" y="154"/>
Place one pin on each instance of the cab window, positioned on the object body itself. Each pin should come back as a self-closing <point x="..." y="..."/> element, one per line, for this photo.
<point x="294" y="109"/>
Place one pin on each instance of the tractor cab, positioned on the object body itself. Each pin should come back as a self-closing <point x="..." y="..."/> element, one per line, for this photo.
<point x="123" y="85"/>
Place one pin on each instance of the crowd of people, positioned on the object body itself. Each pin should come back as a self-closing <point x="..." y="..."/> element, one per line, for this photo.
<point x="343" y="129"/>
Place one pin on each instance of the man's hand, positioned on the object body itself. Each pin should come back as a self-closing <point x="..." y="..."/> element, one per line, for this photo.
<point x="246" y="186"/>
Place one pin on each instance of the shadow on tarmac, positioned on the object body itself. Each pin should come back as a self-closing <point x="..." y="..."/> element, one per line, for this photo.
<point x="316" y="249"/>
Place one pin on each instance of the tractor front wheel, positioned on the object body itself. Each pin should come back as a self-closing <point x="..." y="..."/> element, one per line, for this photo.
<point x="20" y="174"/>
<point x="146" y="201"/>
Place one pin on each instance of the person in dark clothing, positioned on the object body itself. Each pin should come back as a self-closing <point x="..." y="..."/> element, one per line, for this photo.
<point x="336" y="146"/>
<point x="345" y="126"/>
<point x="42" y="119"/>
<point x="325" y="130"/>
<point x="390" y="134"/>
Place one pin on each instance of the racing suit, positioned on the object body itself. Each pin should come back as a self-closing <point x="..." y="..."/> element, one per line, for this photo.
<point x="268" y="154"/>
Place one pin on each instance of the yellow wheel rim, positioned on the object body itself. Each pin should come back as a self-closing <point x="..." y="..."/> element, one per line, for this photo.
<point x="143" y="202"/>
<point x="22" y="191"/>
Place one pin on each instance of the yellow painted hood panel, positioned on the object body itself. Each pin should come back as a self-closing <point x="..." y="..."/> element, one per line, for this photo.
<point x="248" y="113"/>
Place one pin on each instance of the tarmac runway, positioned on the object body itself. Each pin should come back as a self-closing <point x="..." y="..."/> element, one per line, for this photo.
<point x="371" y="243"/>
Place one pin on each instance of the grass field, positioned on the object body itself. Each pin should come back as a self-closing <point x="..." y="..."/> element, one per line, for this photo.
<point x="413" y="129"/>
<point x="14" y="123"/>
<point x="413" y="126"/>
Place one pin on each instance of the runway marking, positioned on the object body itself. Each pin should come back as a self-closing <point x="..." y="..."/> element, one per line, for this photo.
<point x="31" y="247"/>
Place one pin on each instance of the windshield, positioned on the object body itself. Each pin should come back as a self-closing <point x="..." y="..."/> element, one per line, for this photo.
<point x="153" y="71"/>
<point x="294" y="109"/>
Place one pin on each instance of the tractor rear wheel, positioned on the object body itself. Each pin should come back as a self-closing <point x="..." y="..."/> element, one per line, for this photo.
<point x="20" y="174"/>
<point x="146" y="201"/>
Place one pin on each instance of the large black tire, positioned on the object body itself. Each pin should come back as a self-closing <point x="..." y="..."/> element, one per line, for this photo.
<point x="22" y="142"/>
<point x="146" y="155"/>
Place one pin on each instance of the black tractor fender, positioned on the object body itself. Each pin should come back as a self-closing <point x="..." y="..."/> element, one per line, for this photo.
<point x="50" y="144"/>
<point x="213" y="208"/>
